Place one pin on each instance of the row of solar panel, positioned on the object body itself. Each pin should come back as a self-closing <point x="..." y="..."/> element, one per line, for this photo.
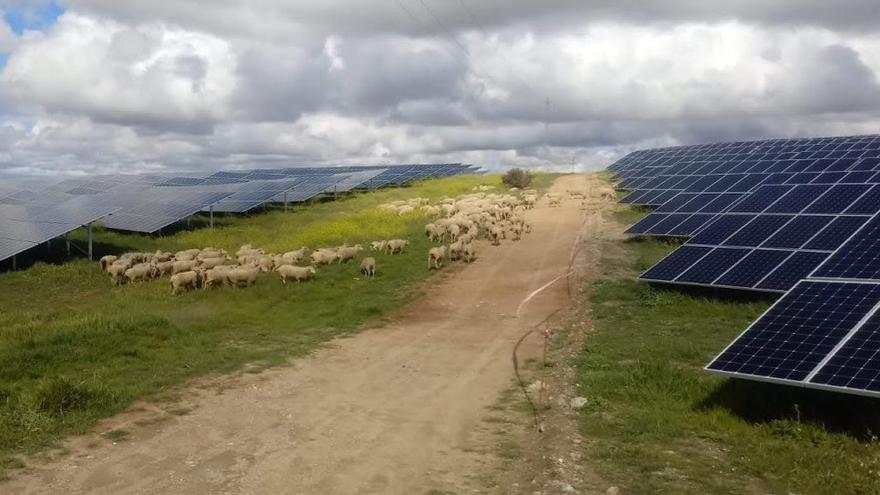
<point x="665" y="156"/>
<point x="822" y="334"/>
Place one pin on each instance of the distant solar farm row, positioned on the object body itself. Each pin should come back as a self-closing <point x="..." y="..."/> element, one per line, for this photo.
<point x="795" y="216"/>
<point x="35" y="213"/>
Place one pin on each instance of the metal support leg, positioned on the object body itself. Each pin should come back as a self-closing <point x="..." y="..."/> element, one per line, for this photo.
<point x="211" y="213"/>
<point x="334" y="192"/>
<point x="49" y="246"/>
<point x="90" y="241"/>
<point x="67" y="243"/>
<point x="188" y="221"/>
<point x="285" y="200"/>
<point x="15" y="262"/>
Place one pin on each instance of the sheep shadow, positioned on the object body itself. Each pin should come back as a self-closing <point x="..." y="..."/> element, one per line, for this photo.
<point x="762" y="403"/>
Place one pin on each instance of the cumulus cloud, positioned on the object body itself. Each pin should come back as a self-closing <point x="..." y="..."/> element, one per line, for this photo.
<point x="173" y="85"/>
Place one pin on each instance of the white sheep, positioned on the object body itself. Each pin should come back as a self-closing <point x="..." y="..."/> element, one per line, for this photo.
<point x="368" y="266"/>
<point x="469" y="253"/>
<point x="378" y="245"/>
<point x="140" y="272"/>
<point x="298" y="273"/>
<point x="396" y="246"/>
<point x="183" y="266"/>
<point x="216" y="276"/>
<point x="246" y="275"/>
<point x="106" y="261"/>
<point x="294" y="257"/>
<point x="184" y="281"/>
<point x="455" y="250"/>
<point x="344" y="254"/>
<point x="435" y="257"/>
<point x="164" y="267"/>
<point x="323" y="257"/>
<point x="208" y="263"/>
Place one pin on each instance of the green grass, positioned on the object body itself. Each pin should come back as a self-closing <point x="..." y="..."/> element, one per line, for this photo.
<point x="74" y="349"/>
<point x="657" y="423"/>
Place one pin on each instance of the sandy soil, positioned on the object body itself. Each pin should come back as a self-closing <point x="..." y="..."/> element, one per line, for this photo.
<point x="391" y="410"/>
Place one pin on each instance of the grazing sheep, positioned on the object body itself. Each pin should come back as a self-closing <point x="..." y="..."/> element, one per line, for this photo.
<point x="495" y="234"/>
<point x="140" y="273"/>
<point x="208" y="263"/>
<point x="431" y="211"/>
<point x="368" y="266"/>
<point x="453" y="230"/>
<point x="106" y="261"/>
<point x="183" y="266"/>
<point x="294" y="257"/>
<point x="216" y="276"/>
<point x="396" y="246"/>
<point x="455" y="250"/>
<point x="117" y="271"/>
<point x="246" y="275"/>
<point x="298" y="273"/>
<point x="378" y="245"/>
<point x="344" y="254"/>
<point x="323" y="257"/>
<point x="434" y="232"/>
<point x="435" y="257"/>
<point x="607" y="193"/>
<point x="468" y="252"/>
<point x="164" y="267"/>
<point x="404" y="210"/>
<point x="517" y="230"/>
<point x="184" y="281"/>
<point x="266" y="263"/>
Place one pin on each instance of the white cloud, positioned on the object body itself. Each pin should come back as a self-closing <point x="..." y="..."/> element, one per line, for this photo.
<point x="116" y="85"/>
<point x="8" y="39"/>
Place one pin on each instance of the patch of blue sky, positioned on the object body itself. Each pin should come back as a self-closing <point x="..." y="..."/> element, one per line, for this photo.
<point x="32" y="16"/>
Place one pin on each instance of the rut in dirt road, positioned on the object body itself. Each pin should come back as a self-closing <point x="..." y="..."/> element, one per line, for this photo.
<point x="390" y="410"/>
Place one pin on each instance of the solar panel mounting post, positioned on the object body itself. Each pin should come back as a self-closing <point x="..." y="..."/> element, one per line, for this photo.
<point x="285" y="200"/>
<point x="67" y="243"/>
<point x="90" y="241"/>
<point x="211" y="213"/>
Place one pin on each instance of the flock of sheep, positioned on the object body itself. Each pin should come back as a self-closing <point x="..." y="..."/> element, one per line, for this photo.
<point x="212" y="267"/>
<point x="458" y="223"/>
<point x="462" y="220"/>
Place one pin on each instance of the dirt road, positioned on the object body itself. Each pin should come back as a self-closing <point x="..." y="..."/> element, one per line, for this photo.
<point x="390" y="410"/>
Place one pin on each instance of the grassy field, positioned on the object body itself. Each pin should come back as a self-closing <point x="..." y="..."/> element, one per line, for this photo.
<point x="657" y="423"/>
<point x="74" y="349"/>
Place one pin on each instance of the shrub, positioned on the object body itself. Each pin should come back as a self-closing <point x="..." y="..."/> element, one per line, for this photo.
<point x="517" y="177"/>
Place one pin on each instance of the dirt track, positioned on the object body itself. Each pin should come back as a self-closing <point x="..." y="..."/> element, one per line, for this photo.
<point x="390" y="410"/>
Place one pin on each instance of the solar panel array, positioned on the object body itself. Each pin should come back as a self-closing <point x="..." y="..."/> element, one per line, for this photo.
<point x="39" y="211"/>
<point x="809" y="227"/>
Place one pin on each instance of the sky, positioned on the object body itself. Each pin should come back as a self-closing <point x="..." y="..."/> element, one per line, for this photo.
<point x="104" y="86"/>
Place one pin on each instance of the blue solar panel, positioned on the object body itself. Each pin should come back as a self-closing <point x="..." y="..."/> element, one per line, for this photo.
<point x="752" y="268"/>
<point x="796" y="267"/>
<point x="761" y="199"/>
<point x="691" y="225"/>
<point x="712" y="265"/>
<point x="719" y="230"/>
<point x="797" y="199"/>
<point x="838" y="198"/>
<point x="799" y="331"/>
<point x="856" y="364"/>
<point x="797" y="232"/>
<point x="678" y="261"/>
<point x="757" y="231"/>
<point x="668" y="223"/>
<point x="646" y="223"/>
<point x="838" y="231"/>
<point x="859" y="258"/>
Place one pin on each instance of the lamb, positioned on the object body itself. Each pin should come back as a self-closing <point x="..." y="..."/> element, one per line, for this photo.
<point x="435" y="257"/>
<point x="346" y="253"/>
<point x="106" y="261"/>
<point x="368" y="266"/>
<point x="378" y="245"/>
<point x="184" y="281"/>
<point x="298" y="273"/>
<point x="396" y="246"/>
<point x="183" y="266"/>
<point x="246" y="275"/>
<point x="140" y="272"/>
<point x="404" y="210"/>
